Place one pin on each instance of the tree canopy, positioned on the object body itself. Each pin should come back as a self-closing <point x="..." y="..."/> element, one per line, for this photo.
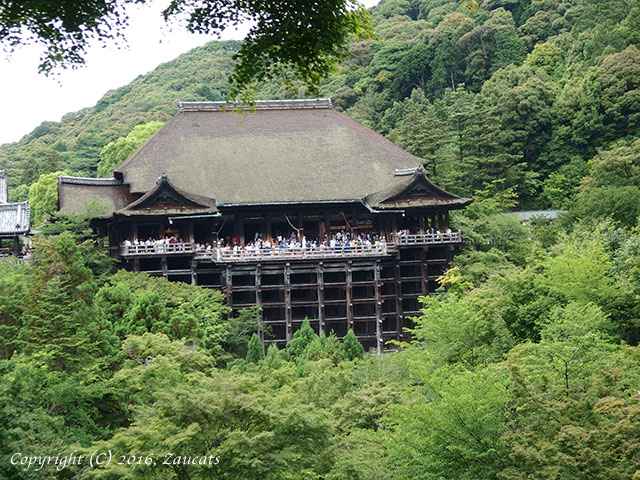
<point x="303" y="37"/>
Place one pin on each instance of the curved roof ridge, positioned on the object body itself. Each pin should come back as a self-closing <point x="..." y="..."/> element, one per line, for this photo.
<point x="290" y="104"/>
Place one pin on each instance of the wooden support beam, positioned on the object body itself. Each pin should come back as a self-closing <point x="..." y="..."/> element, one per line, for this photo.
<point x="378" y="292"/>
<point x="238" y="228"/>
<point x="320" y="282"/>
<point x="394" y="229"/>
<point x="190" y="235"/>
<point x="447" y="221"/>
<point x="398" y="297"/>
<point x="349" y="296"/>
<point x="424" y="271"/>
<point x="163" y="263"/>
<point x="266" y="231"/>
<point x="194" y="275"/>
<point x="258" y="285"/>
<point x="327" y="223"/>
<point x="136" y="265"/>
<point x="133" y="231"/>
<point x="300" y="225"/>
<point x="228" y="285"/>
<point x="287" y="302"/>
<point x="421" y="224"/>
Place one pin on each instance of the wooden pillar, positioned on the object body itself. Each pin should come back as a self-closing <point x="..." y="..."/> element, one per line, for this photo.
<point x="354" y="222"/>
<point x="133" y="231"/>
<point x="327" y="224"/>
<point x="163" y="263"/>
<point x="447" y="221"/>
<point x="194" y="275"/>
<point x="398" y="294"/>
<point x="300" y="225"/>
<point x="16" y="246"/>
<point x="190" y="235"/>
<point x="136" y="265"/>
<point x="394" y="229"/>
<point x="266" y="230"/>
<point x="433" y="221"/>
<point x="349" y="297"/>
<point x="378" y="291"/>
<point x="421" y="224"/>
<point x="238" y="228"/>
<point x="258" y="284"/>
<point x="287" y="301"/>
<point x="424" y="271"/>
<point x="228" y="286"/>
<point x="320" y="283"/>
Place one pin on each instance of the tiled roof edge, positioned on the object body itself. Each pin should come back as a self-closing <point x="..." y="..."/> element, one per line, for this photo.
<point x="292" y="104"/>
<point x="89" y="180"/>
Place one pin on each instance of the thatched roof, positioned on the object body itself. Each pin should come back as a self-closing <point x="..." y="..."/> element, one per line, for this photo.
<point x="75" y="194"/>
<point x="285" y="151"/>
<point x="272" y="155"/>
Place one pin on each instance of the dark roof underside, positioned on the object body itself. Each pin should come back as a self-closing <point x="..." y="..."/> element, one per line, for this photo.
<point x="270" y="156"/>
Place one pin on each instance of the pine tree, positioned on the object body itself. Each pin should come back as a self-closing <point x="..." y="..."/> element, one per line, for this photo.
<point x="317" y="349"/>
<point x="351" y="348"/>
<point x="255" y="349"/>
<point x="301" y="340"/>
<point x="273" y="356"/>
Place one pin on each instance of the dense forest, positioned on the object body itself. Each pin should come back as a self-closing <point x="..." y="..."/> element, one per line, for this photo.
<point x="526" y="366"/>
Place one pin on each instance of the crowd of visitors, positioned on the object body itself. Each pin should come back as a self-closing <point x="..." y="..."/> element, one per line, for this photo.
<point x="340" y="240"/>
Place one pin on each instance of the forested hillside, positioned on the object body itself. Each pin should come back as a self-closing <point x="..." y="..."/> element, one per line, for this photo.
<point x="525" y="366"/>
<point x="524" y="91"/>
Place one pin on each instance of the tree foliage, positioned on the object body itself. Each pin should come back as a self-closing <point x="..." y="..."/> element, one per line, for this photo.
<point x="114" y="153"/>
<point x="302" y="36"/>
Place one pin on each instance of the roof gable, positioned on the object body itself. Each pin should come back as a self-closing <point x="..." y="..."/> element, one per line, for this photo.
<point x="414" y="189"/>
<point x="165" y="198"/>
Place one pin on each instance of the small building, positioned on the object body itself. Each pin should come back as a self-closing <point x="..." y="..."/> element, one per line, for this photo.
<point x="294" y="206"/>
<point x="15" y="218"/>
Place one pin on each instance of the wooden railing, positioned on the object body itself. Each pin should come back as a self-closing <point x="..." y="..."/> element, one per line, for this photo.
<point x="427" y="238"/>
<point x="249" y="254"/>
<point x="157" y="249"/>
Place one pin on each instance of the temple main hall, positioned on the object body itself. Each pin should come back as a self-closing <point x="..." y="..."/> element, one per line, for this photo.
<point x="290" y="205"/>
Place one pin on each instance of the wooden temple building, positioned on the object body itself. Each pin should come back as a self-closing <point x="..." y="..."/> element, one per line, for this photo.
<point x="15" y="219"/>
<point x="294" y="206"/>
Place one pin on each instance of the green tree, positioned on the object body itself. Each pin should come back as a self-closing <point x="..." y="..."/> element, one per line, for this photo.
<point x="255" y="349"/>
<point x="114" y="153"/>
<point x="569" y="391"/>
<point x="452" y="426"/>
<point x="43" y="196"/>
<point x="300" y="341"/>
<point x="350" y="348"/>
<point x="612" y="187"/>
<point x="308" y="37"/>
<point x="19" y="194"/>
<point x="60" y="323"/>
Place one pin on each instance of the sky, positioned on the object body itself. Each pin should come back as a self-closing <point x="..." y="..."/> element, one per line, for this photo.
<point x="28" y="98"/>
